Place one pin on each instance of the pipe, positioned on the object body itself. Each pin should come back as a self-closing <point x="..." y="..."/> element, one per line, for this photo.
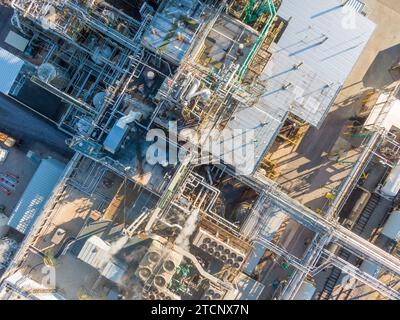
<point x="193" y="90"/>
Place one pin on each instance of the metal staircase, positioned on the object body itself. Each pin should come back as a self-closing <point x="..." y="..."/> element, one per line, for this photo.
<point x="366" y="214"/>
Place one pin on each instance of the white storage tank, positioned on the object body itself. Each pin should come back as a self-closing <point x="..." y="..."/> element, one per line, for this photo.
<point x="391" y="186"/>
<point x="391" y="229"/>
<point x="3" y="224"/>
<point x="306" y="291"/>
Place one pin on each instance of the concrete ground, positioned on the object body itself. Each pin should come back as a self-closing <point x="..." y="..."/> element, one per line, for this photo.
<point x="308" y="173"/>
<point x="18" y="164"/>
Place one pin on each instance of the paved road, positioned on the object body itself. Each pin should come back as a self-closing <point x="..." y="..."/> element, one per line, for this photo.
<point x="30" y="128"/>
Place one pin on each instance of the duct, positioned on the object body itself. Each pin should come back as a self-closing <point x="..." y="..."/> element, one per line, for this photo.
<point x="119" y="131"/>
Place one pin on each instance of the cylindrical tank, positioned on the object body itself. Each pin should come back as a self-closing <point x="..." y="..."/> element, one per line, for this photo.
<point x="391" y="229"/>
<point x="153" y="257"/>
<point x="391" y="187"/>
<point x="306" y="291"/>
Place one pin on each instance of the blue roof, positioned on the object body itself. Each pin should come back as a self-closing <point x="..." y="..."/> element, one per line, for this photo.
<point x="114" y="139"/>
<point x="36" y="195"/>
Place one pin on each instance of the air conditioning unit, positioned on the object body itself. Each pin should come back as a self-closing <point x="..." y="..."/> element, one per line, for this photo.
<point x="157" y="294"/>
<point x="149" y="261"/>
<point x="218" y="249"/>
<point x="167" y="270"/>
<point x="158" y="264"/>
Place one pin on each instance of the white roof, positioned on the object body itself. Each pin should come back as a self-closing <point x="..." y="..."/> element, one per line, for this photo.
<point x="36" y="195"/>
<point x="15" y="40"/>
<point x="10" y="67"/>
<point x="311" y="61"/>
<point x="323" y="38"/>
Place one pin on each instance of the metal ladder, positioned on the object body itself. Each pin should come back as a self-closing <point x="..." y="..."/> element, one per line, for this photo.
<point x="333" y="278"/>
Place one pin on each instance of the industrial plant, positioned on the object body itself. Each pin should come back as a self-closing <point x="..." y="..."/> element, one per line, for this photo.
<point x="197" y="150"/>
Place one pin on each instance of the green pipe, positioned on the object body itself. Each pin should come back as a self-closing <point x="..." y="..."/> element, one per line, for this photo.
<point x="259" y="40"/>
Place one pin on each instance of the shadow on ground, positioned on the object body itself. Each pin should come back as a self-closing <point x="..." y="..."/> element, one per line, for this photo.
<point x="379" y="75"/>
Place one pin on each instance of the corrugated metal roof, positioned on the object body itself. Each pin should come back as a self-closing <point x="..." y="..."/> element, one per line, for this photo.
<point x="356" y="5"/>
<point x="36" y="195"/>
<point x="326" y="38"/>
<point x="114" y="272"/>
<point x="391" y="228"/>
<point x="30" y="288"/>
<point x="10" y="67"/>
<point x="310" y="63"/>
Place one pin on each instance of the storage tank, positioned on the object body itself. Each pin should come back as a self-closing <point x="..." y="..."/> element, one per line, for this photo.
<point x="391" y="186"/>
<point x="306" y="291"/>
<point x="3" y="224"/>
<point x="391" y="229"/>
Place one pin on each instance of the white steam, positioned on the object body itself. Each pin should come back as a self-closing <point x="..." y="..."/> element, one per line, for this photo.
<point x="118" y="245"/>
<point x="188" y="229"/>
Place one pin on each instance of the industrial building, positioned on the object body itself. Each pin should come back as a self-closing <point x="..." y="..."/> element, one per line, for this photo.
<point x="114" y="225"/>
